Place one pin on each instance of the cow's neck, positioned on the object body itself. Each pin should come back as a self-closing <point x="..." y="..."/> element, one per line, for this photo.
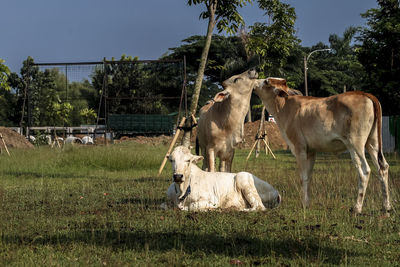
<point x="236" y="111"/>
<point x="184" y="189"/>
<point x="275" y="107"/>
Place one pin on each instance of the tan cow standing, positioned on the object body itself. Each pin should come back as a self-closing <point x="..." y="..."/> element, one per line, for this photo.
<point x="350" y="121"/>
<point x="220" y="127"/>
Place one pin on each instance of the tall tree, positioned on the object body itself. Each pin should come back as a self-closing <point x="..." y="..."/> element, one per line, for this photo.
<point x="37" y="94"/>
<point x="379" y="53"/>
<point x="224" y="15"/>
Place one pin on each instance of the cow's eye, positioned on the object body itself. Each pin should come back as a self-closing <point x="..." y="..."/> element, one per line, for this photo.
<point x="236" y="79"/>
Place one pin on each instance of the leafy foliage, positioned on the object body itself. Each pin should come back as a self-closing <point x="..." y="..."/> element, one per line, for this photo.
<point x="138" y="87"/>
<point x="48" y="102"/>
<point x="338" y="71"/>
<point x="88" y="114"/>
<point x="4" y="73"/>
<point x="273" y="42"/>
<point x="227" y="18"/>
<point x="380" y="55"/>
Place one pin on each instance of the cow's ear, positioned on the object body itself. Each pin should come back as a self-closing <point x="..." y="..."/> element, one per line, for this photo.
<point x="260" y="83"/>
<point x="294" y="92"/>
<point x="280" y="92"/>
<point x="221" y="96"/>
<point x="196" y="159"/>
<point x="277" y="82"/>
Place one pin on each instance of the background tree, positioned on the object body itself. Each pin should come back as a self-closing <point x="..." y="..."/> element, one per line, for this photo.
<point x="140" y="87"/>
<point x="379" y="54"/>
<point x="4" y="73"/>
<point x="89" y="115"/>
<point x="336" y="71"/>
<point x="82" y="96"/>
<point x="40" y="95"/>
<point x="45" y="102"/>
<point x="7" y="98"/>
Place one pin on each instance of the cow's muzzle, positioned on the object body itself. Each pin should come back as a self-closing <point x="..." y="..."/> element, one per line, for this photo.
<point x="253" y="73"/>
<point x="178" y="178"/>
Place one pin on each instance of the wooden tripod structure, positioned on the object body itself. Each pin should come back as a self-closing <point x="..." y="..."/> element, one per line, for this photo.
<point x="261" y="138"/>
<point x="4" y="144"/>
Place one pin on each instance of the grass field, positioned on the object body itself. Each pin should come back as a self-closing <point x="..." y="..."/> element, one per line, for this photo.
<point x="99" y="206"/>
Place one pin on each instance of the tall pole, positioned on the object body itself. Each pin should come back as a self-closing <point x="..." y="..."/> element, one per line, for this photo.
<point x="306" y="58"/>
<point x="305" y="76"/>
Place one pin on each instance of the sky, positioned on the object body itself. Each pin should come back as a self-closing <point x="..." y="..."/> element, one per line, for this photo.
<point x="89" y="30"/>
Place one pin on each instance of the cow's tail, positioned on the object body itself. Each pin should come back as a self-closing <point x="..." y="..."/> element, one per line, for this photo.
<point x="197" y="146"/>
<point x="378" y="121"/>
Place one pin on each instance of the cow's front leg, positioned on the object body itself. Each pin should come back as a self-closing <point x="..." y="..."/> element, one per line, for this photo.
<point x="245" y="185"/>
<point x="222" y="165"/>
<point x="211" y="159"/>
<point x="205" y="167"/>
<point x="226" y="162"/>
<point x="229" y="161"/>
<point x="305" y="163"/>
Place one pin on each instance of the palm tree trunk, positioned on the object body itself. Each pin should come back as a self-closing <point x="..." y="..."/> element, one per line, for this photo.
<point x="212" y="7"/>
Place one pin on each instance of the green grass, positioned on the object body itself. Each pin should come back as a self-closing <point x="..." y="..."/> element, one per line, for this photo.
<point x="99" y="205"/>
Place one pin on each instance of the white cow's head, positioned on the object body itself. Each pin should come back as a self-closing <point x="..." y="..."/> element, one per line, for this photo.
<point x="237" y="86"/>
<point x="181" y="158"/>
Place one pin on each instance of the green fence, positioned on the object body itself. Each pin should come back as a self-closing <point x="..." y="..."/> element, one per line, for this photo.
<point x="142" y="123"/>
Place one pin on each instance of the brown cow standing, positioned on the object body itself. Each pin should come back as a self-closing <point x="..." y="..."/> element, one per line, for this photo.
<point x="350" y="121"/>
<point x="220" y="125"/>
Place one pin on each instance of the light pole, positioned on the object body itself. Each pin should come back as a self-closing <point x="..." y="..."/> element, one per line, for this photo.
<point x="305" y="66"/>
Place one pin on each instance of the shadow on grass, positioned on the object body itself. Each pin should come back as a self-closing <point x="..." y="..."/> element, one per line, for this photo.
<point x="151" y="179"/>
<point x="61" y="175"/>
<point x="31" y="174"/>
<point x="232" y="246"/>
<point x="148" y="203"/>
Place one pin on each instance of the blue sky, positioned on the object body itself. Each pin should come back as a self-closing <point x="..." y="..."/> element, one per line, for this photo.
<point x="88" y="30"/>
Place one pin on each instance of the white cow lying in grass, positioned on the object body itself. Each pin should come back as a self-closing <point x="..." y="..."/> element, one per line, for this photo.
<point x="73" y="140"/>
<point x="87" y="140"/>
<point x="195" y="189"/>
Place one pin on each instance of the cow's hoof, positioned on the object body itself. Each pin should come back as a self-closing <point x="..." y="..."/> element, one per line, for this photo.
<point x="386" y="212"/>
<point x="387" y="208"/>
<point x="355" y="211"/>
